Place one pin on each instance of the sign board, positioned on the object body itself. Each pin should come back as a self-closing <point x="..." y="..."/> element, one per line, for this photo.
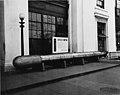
<point x="59" y="44"/>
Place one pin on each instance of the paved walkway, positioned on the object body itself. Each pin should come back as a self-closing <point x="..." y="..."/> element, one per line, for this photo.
<point x="23" y="80"/>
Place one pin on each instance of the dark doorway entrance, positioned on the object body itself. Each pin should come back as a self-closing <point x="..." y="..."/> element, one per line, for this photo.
<point x="101" y="28"/>
<point x="47" y="19"/>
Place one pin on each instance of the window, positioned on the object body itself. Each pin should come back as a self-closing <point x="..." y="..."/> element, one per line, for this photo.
<point x="100" y="3"/>
<point x="118" y="11"/>
<point x="46" y="20"/>
<point x="49" y="26"/>
<point x="34" y="25"/>
<point x="61" y="27"/>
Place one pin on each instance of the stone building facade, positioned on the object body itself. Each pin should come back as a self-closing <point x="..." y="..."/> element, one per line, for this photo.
<point x="89" y="26"/>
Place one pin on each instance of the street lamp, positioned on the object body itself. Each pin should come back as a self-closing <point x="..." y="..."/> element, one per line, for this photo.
<point x="21" y="16"/>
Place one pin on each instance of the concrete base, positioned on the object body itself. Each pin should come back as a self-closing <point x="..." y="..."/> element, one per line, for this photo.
<point x="113" y="55"/>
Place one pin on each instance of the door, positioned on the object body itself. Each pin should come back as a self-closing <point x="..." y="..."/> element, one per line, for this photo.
<point x="101" y="37"/>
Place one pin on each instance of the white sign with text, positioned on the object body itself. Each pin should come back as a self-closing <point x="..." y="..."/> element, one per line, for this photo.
<point x="59" y="44"/>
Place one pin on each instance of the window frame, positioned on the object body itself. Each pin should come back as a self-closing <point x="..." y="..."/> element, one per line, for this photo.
<point x="35" y="31"/>
<point x="100" y="3"/>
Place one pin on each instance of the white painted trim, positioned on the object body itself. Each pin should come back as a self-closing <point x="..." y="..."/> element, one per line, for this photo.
<point x="70" y="26"/>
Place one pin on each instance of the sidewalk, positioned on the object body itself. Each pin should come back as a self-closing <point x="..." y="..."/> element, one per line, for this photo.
<point x="18" y="80"/>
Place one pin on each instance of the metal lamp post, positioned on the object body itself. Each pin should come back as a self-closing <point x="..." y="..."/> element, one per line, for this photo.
<point x="21" y="16"/>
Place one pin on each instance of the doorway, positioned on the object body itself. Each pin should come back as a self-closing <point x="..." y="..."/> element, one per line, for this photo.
<point x="101" y="29"/>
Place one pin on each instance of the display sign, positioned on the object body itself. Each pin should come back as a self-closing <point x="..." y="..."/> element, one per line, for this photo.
<point x="59" y="44"/>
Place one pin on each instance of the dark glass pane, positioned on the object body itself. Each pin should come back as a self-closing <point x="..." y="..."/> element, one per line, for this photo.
<point x="45" y="27"/>
<point x="53" y="20"/>
<point x="30" y="34"/>
<point x="38" y="26"/>
<point x="34" y="34"/>
<point x="38" y="17"/>
<point x="39" y="34"/>
<point x="45" y="18"/>
<point x="61" y="20"/>
<point x="33" y="16"/>
<point x="53" y="27"/>
<point x="49" y="19"/>
<point x="47" y="35"/>
<point x="53" y="34"/>
<point x="58" y="21"/>
<point x="100" y="3"/>
<point x="30" y="26"/>
<point x="33" y="25"/>
<point x="30" y="17"/>
<point x="49" y="27"/>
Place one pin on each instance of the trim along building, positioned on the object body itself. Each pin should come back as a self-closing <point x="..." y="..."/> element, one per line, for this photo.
<point x="88" y="25"/>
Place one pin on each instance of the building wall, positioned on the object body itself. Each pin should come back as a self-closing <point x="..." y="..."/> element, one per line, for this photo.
<point x="83" y="17"/>
<point x="111" y="26"/>
<point x="76" y="25"/>
<point x="89" y="25"/>
<point x="12" y="9"/>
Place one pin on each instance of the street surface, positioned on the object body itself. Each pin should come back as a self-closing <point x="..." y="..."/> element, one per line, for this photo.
<point x="106" y="82"/>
